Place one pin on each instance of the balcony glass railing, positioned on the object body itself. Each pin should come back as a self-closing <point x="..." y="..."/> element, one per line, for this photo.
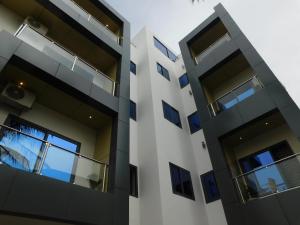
<point x="274" y="178"/>
<point x="212" y="47"/>
<point x="236" y="95"/>
<point x="29" y="153"/>
<point x="65" y="57"/>
<point x="92" y="20"/>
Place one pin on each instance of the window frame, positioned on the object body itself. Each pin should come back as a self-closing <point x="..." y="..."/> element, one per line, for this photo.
<point x="172" y="167"/>
<point x="163" y="71"/>
<point x="209" y="199"/>
<point x="132" y="116"/>
<point x="189" y="122"/>
<point x="174" y="110"/>
<point x="180" y="82"/>
<point x="133" y="190"/>
<point x="132" y="64"/>
<point x="166" y="51"/>
<point x="48" y="132"/>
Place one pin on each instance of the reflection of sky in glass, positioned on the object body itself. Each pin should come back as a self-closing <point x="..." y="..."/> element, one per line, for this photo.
<point x="59" y="163"/>
<point x="265" y="174"/>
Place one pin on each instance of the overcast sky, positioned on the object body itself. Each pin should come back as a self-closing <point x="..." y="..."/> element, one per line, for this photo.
<point x="272" y="26"/>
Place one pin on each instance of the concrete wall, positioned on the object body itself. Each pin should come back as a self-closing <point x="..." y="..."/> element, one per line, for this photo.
<point x="160" y="142"/>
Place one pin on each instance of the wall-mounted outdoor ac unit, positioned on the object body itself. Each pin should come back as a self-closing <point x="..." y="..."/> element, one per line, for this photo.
<point x="36" y="25"/>
<point x="17" y="97"/>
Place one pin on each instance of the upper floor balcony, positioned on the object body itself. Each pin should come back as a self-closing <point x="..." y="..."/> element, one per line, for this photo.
<point x="230" y="83"/>
<point x="263" y="157"/>
<point x="43" y="30"/>
<point x="46" y="131"/>
<point x="211" y="38"/>
<point x="98" y="17"/>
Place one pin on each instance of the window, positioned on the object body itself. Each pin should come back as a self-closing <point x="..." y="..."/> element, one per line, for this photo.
<point x="171" y="114"/>
<point x="163" y="71"/>
<point x="183" y="80"/>
<point x="26" y="151"/>
<point x="210" y="187"/>
<point x="133" y="181"/>
<point x="132" y="110"/>
<point x="181" y="182"/>
<point x="164" y="50"/>
<point x="194" y="122"/>
<point x="132" y="67"/>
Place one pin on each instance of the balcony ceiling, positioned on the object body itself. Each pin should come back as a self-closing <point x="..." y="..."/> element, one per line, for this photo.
<point x="53" y="98"/>
<point x="253" y="129"/>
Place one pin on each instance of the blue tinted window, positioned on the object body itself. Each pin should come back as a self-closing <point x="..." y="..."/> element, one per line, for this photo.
<point x="132" y="67"/>
<point x="26" y="151"/>
<point x="164" y="50"/>
<point x="194" y="122"/>
<point x="171" y="114"/>
<point x="183" y="80"/>
<point x="132" y="110"/>
<point x="210" y="187"/>
<point x="181" y="181"/>
<point x="163" y="71"/>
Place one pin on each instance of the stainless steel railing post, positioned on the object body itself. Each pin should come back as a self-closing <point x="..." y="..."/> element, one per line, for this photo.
<point x="43" y="158"/>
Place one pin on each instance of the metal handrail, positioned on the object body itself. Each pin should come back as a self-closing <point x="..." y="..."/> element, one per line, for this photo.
<point x="268" y="165"/>
<point x="236" y="87"/>
<point x="19" y="31"/>
<point x="211" y="46"/>
<point x="49" y="144"/>
<point x="90" y="16"/>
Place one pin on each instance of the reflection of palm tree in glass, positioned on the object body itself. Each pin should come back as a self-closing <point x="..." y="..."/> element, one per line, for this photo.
<point x="22" y="147"/>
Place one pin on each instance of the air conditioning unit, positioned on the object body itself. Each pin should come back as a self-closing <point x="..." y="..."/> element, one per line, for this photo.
<point x="17" y="97"/>
<point x="36" y="25"/>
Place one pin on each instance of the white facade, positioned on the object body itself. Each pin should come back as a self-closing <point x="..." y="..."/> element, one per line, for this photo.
<point x="154" y="142"/>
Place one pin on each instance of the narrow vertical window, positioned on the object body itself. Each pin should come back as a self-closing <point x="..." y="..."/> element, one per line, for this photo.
<point x="171" y="114"/>
<point x="194" y="122"/>
<point x="132" y="110"/>
<point x="163" y="71"/>
<point x="133" y="181"/>
<point x="210" y="187"/>
<point x="132" y="67"/>
<point x="183" y="80"/>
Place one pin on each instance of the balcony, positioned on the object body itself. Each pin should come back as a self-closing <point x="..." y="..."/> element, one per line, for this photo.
<point x="273" y="178"/>
<point x="48" y="32"/>
<point x="212" y="47"/>
<point x="235" y="96"/>
<point x="21" y="150"/>
<point x="50" y="132"/>
<point x="263" y="157"/>
<point x="64" y="56"/>
<point x="229" y="83"/>
<point x="208" y="40"/>
<point x="99" y="19"/>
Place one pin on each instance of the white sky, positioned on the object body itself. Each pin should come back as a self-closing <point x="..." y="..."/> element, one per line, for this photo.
<point x="272" y="26"/>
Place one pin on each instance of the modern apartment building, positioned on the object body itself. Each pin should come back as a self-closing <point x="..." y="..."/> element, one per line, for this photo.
<point x="207" y="138"/>
<point x="251" y="124"/>
<point x="64" y="143"/>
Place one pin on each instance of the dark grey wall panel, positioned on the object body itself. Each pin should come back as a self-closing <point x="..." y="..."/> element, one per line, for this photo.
<point x="6" y="181"/>
<point x="289" y="203"/>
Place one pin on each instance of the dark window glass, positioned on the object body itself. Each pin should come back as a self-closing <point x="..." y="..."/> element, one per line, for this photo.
<point x="181" y="181"/>
<point x="163" y="71"/>
<point x="194" y="122"/>
<point x="133" y="181"/>
<point x="132" y="110"/>
<point x="210" y="187"/>
<point x="164" y="50"/>
<point x="132" y="67"/>
<point x="183" y="80"/>
<point x="171" y="114"/>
